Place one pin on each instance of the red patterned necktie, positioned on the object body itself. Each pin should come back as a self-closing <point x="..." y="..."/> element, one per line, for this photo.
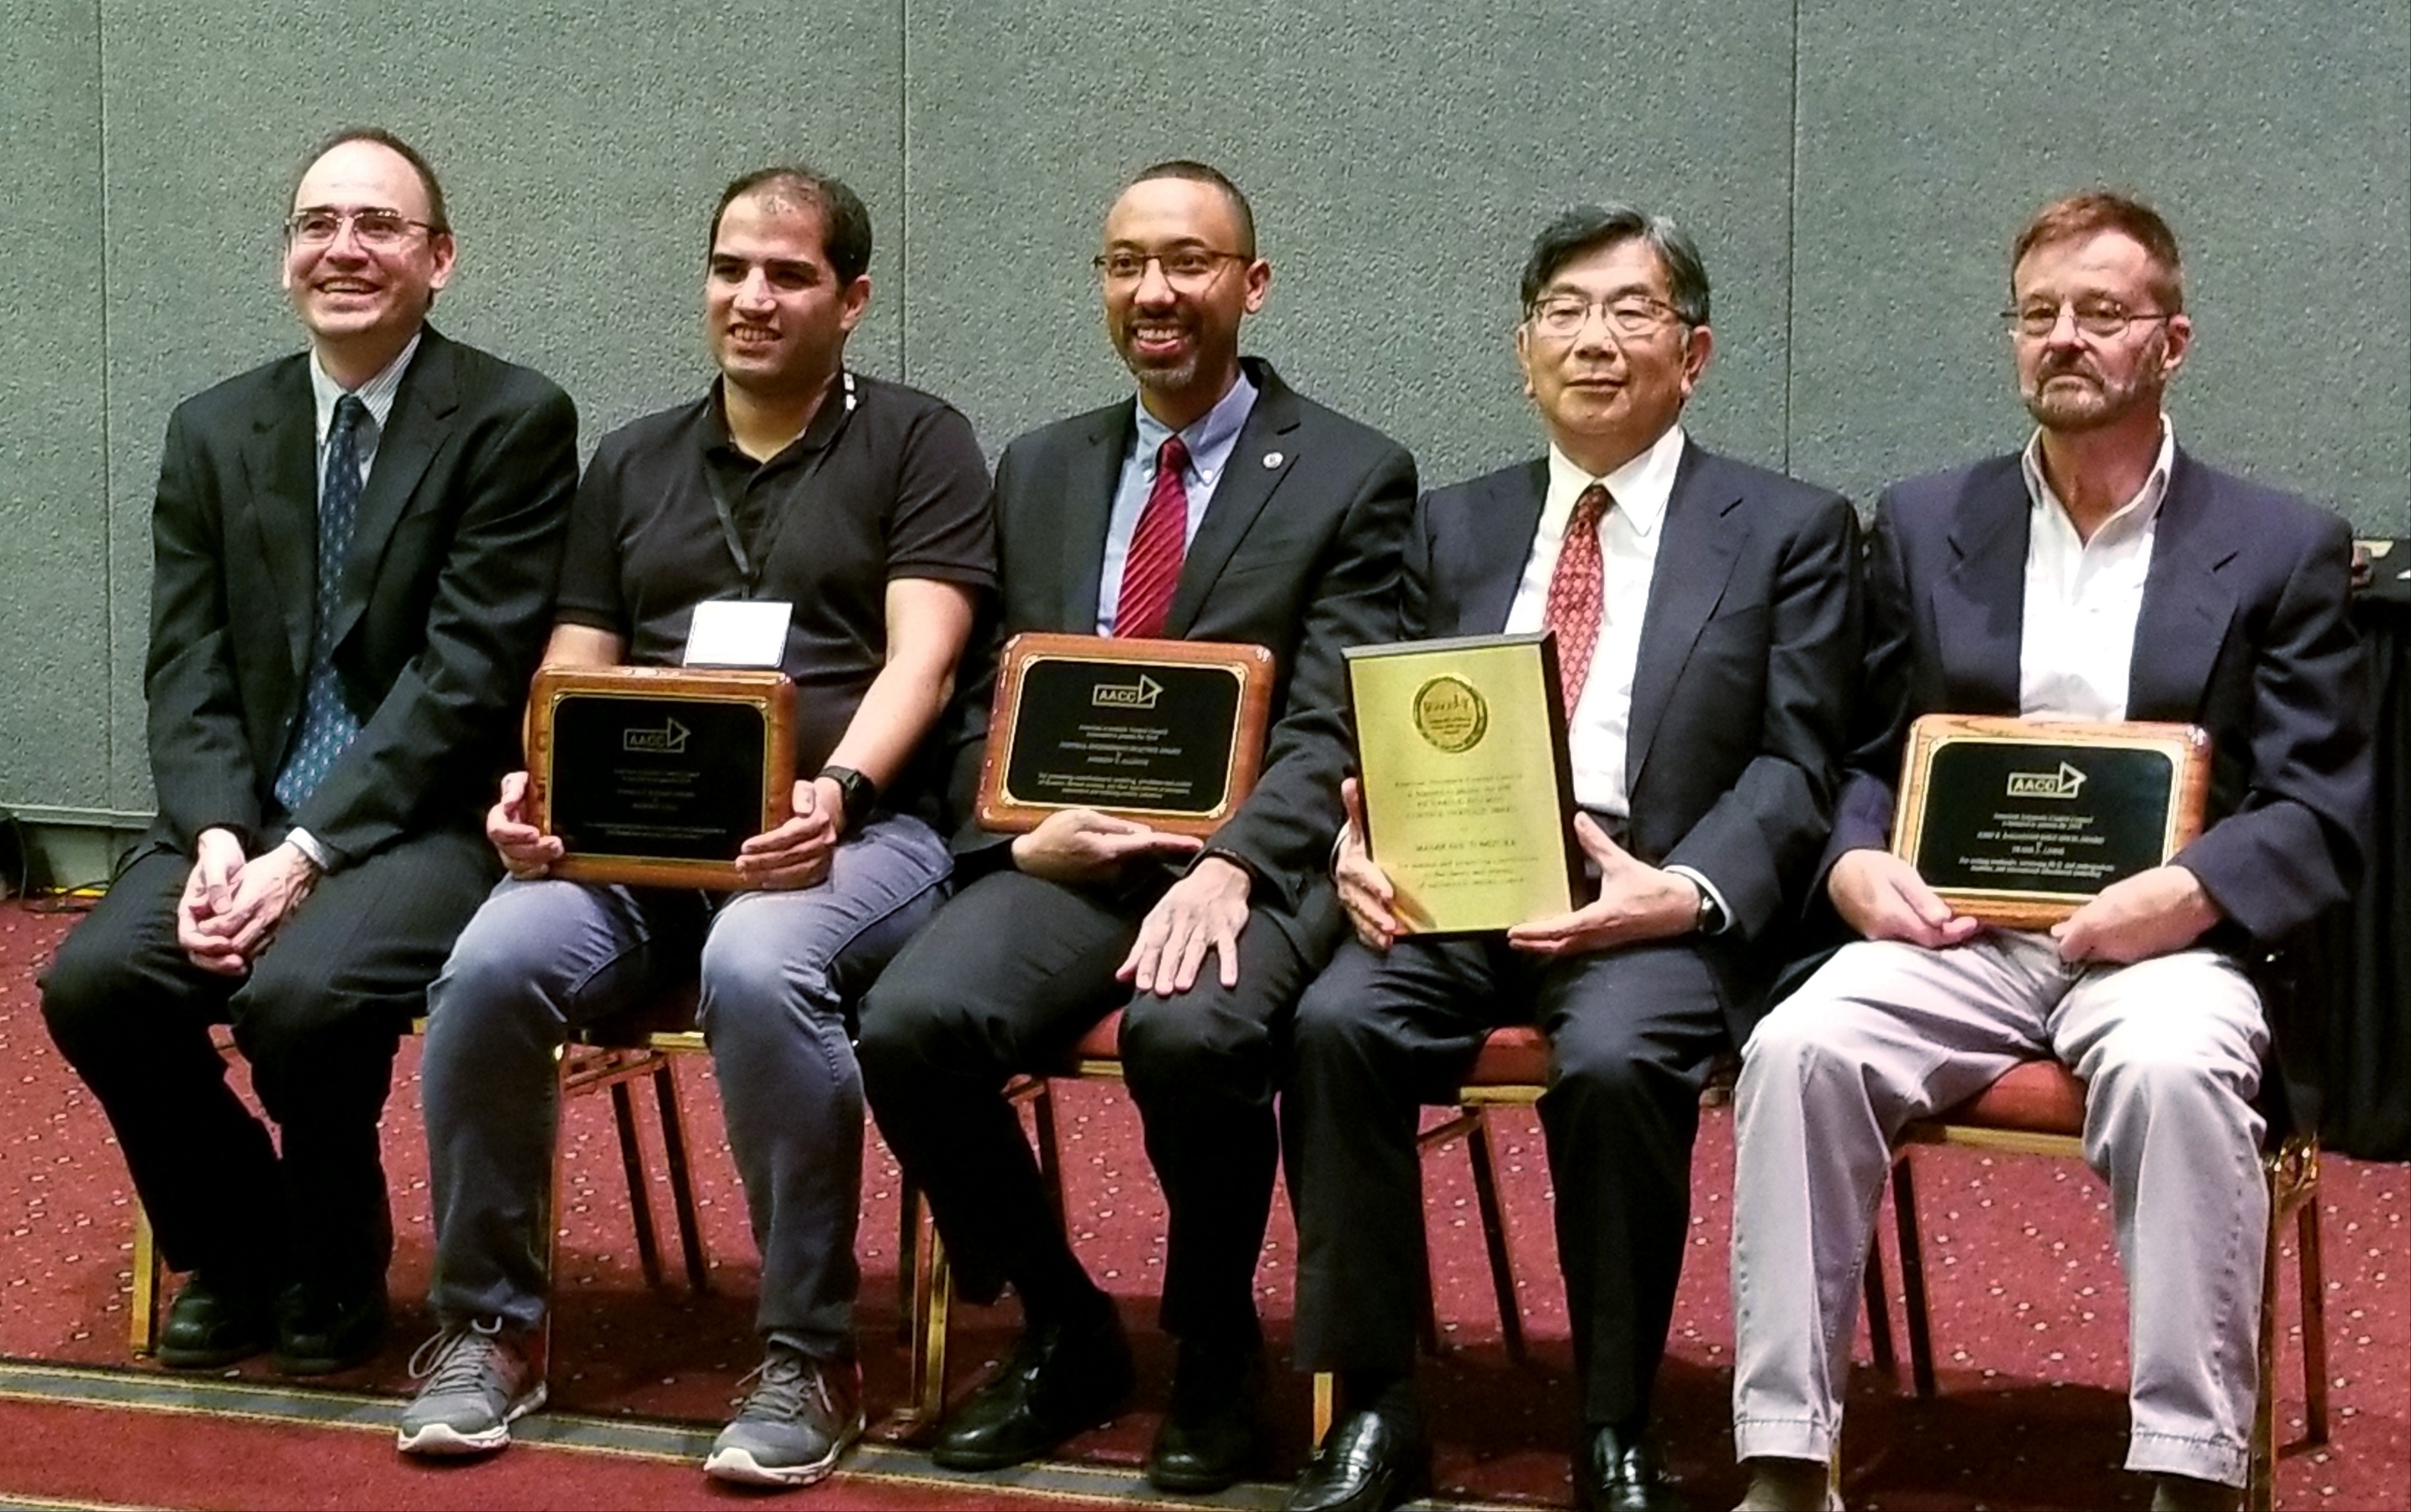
<point x="1152" y="569"/>
<point x="1574" y="593"/>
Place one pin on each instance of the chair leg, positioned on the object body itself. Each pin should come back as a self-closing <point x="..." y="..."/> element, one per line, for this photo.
<point x="1878" y="1304"/>
<point x="1494" y="1235"/>
<point x="1912" y="1275"/>
<point x="2260" y="1467"/>
<point x="641" y="1207"/>
<point x="1041" y="1097"/>
<point x="1327" y="1391"/>
<point x="681" y="1177"/>
<point x="908" y="1256"/>
<point x="150" y="1284"/>
<point x="933" y="1292"/>
<point x="2313" y="1270"/>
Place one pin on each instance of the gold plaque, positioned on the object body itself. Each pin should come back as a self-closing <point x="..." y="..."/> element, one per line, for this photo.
<point x="1468" y="789"/>
<point x="2018" y="822"/>
<point x="1167" y="733"/>
<point x="655" y="776"/>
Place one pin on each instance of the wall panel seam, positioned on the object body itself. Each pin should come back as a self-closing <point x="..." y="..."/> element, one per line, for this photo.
<point x="107" y="425"/>
<point x="904" y="190"/>
<point x="1792" y="241"/>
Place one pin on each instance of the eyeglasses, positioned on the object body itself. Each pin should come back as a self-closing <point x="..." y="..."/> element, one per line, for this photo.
<point x="2093" y="317"/>
<point x="380" y="230"/>
<point x="1184" y="268"/>
<point x="1562" y="315"/>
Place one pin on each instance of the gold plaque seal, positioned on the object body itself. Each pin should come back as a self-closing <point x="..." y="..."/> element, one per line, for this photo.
<point x="1450" y="713"/>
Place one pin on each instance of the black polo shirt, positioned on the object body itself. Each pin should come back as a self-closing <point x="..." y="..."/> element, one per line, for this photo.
<point x="889" y="485"/>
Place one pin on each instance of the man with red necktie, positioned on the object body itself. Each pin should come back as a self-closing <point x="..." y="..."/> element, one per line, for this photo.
<point x="1706" y="621"/>
<point x="1218" y="506"/>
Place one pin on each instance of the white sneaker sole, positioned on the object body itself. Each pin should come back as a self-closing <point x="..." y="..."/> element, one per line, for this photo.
<point x="737" y="1466"/>
<point x="442" y="1439"/>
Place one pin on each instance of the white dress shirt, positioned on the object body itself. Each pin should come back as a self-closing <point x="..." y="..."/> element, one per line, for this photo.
<point x="2083" y="597"/>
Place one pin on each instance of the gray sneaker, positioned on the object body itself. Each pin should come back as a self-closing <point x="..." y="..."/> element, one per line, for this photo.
<point x="802" y="1415"/>
<point x="478" y="1377"/>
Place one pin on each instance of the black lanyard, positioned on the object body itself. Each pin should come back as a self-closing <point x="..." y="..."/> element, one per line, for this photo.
<point x="750" y="565"/>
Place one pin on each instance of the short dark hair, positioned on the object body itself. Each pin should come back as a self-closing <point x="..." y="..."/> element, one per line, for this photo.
<point x="1196" y="173"/>
<point x="437" y="216"/>
<point x="1588" y="229"/>
<point x="845" y="223"/>
<point x="2095" y="210"/>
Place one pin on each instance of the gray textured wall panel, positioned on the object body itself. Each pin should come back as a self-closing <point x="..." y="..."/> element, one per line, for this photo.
<point x="581" y="146"/>
<point x="2278" y="142"/>
<point x="1399" y="162"/>
<point x="55" y="670"/>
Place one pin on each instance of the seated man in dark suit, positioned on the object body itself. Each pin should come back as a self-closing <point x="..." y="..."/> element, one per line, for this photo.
<point x="355" y="551"/>
<point x="1706" y="620"/>
<point x="2100" y="573"/>
<point x="1219" y="506"/>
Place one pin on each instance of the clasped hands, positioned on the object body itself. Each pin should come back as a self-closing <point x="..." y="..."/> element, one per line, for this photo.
<point x="2151" y="913"/>
<point x="232" y="904"/>
<point x="794" y="854"/>
<point x="1205" y="910"/>
<point x="1636" y="901"/>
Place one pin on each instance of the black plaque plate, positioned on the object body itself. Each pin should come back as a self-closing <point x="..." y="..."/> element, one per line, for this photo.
<point x="2019" y="822"/>
<point x="1170" y="733"/>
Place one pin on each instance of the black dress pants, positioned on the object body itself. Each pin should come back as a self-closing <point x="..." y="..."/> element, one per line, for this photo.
<point x="1632" y="1036"/>
<point x="318" y="1017"/>
<point x="1007" y="977"/>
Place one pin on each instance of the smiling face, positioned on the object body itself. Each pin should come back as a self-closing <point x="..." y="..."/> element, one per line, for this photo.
<point x="362" y="305"/>
<point x="2074" y="381"/>
<point x="1604" y="397"/>
<point x="1180" y="341"/>
<point x="775" y="315"/>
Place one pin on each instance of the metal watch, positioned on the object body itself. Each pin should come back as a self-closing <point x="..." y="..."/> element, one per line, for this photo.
<point x="1711" y="919"/>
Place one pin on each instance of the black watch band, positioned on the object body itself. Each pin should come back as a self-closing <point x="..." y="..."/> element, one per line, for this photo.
<point x="856" y="793"/>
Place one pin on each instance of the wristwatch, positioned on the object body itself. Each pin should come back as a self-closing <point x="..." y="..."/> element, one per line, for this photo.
<point x="1711" y="919"/>
<point x="857" y="795"/>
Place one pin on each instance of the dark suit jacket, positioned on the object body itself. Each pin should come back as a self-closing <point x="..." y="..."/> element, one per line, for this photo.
<point x="1742" y="692"/>
<point x="2243" y="631"/>
<point x="446" y="599"/>
<point x="1298" y="552"/>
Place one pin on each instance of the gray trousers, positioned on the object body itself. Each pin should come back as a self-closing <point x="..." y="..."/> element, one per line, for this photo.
<point x="2170" y="1050"/>
<point x="777" y="970"/>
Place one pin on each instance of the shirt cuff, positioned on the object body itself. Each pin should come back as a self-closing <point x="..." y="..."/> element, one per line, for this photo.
<point x="307" y="843"/>
<point x="1724" y="914"/>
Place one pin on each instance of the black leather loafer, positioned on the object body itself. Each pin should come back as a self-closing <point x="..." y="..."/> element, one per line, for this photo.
<point x="210" y="1325"/>
<point x="1619" y="1470"/>
<point x="1210" y="1437"/>
<point x="322" y="1331"/>
<point x="1061" y="1379"/>
<point x="1369" y="1463"/>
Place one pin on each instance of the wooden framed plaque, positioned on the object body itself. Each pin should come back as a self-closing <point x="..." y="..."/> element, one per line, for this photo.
<point x="1167" y="733"/>
<point x="1468" y="786"/>
<point x="2018" y="822"/>
<point x="656" y="775"/>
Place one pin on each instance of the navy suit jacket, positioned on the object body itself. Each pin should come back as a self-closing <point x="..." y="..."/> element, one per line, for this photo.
<point x="1742" y="692"/>
<point x="2244" y="631"/>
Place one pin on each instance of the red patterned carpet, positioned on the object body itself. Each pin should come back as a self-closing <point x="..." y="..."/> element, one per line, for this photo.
<point x="2028" y="1313"/>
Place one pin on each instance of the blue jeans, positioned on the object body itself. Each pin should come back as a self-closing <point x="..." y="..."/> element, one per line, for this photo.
<point x="777" y="971"/>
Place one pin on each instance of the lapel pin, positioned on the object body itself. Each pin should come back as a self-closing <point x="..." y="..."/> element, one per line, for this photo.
<point x="1273" y="459"/>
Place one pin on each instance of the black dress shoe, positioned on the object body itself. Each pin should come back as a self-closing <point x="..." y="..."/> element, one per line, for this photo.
<point x="1209" y="1438"/>
<point x="1371" y="1462"/>
<point x="321" y="1330"/>
<point x="1063" y="1378"/>
<point x="1619" y="1470"/>
<point x="210" y="1325"/>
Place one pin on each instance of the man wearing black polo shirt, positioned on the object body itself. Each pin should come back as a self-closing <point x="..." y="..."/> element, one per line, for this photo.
<point x="864" y="506"/>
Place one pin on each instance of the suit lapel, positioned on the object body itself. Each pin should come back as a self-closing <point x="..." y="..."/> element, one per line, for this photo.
<point x="2187" y="604"/>
<point x="1979" y="604"/>
<point x="415" y="431"/>
<point x="1703" y="540"/>
<point x="281" y="462"/>
<point x="1263" y="456"/>
<point x="1503" y="527"/>
<point x="1090" y="474"/>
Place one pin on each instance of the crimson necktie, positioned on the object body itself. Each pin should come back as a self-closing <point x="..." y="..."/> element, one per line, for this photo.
<point x="1574" y="593"/>
<point x="1153" y="567"/>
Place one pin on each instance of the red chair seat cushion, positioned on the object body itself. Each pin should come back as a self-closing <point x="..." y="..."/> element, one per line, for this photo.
<point x="2038" y="1097"/>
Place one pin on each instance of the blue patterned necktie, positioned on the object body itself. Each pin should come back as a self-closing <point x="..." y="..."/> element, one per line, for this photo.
<point x="326" y="724"/>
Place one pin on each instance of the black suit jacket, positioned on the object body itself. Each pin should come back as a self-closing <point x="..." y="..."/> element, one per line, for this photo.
<point x="1742" y="691"/>
<point x="1298" y="552"/>
<point x="2244" y="631"/>
<point x="445" y="604"/>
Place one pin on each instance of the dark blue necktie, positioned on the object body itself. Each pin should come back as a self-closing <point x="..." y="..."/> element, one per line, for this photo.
<point x="327" y="725"/>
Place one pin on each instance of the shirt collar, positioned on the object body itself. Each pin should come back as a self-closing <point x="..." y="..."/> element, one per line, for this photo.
<point x="1641" y="486"/>
<point x="1211" y="437"/>
<point x="844" y="395"/>
<point x="2138" y="511"/>
<point x="377" y="393"/>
